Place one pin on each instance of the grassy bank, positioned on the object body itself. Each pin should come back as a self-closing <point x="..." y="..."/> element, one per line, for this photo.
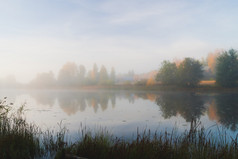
<point x="22" y="140"/>
<point x="164" y="145"/>
<point x="19" y="139"/>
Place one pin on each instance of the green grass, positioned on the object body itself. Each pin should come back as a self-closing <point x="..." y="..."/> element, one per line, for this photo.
<point x="22" y="140"/>
<point x="164" y="145"/>
<point x="19" y="139"/>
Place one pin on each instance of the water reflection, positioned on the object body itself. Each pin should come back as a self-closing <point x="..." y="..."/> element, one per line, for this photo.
<point x="46" y="98"/>
<point x="222" y="108"/>
<point x="71" y="102"/>
<point x="227" y="110"/>
<point x="189" y="105"/>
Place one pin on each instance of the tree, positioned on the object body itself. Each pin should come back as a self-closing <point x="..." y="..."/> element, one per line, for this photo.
<point x="103" y="75"/>
<point x="68" y="74"/>
<point x="44" y="80"/>
<point x="212" y="60"/>
<point x="167" y="73"/>
<point x="227" y="68"/>
<point x="89" y="80"/>
<point x="93" y="75"/>
<point x="112" y="76"/>
<point x="150" y="81"/>
<point x="209" y="65"/>
<point x="82" y="72"/>
<point x="189" y="72"/>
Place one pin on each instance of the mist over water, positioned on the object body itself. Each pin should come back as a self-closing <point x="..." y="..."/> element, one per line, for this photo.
<point x="124" y="66"/>
<point x="123" y="113"/>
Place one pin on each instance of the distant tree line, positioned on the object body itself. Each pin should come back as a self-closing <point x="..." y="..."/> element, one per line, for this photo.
<point x="222" y="67"/>
<point x="72" y="75"/>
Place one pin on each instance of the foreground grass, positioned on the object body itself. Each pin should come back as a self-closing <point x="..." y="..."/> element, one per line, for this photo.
<point x="19" y="139"/>
<point x="22" y="140"/>
<point x="189" y="145"/>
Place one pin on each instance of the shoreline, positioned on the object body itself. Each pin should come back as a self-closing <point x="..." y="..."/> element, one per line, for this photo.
<point x="133" y="87"/>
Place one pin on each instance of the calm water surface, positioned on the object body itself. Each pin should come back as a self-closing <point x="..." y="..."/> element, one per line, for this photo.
<point x="124" y="112"/>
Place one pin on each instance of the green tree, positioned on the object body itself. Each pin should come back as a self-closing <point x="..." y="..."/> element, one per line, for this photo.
<point x="167" y="73"/>
<point x="190" y="72"/>
<point x="227" y="68"/>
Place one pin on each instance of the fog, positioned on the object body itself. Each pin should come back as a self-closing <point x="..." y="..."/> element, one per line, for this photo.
<point x="41" y="36"/>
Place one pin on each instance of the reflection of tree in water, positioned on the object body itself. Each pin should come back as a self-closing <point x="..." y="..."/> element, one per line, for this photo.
<point x="71" y="102"/>
<point x="212" y="109"/>
<point x="127" y="95"/>
<point x="151" y="97"/>
<point x="44" y="97"/>
<point x="82" y="103"/>
<point x="141" y="95"/>
<point x="132" y="96"/>
<point x="113" y="100"/>
<point x="97" y="100"/>
<point x="227" y="110"/>
<point x="93" y="103"/>
<point x="189" y="105"/>
<point x="146" y="96"/>
<point x="103" y="100"/>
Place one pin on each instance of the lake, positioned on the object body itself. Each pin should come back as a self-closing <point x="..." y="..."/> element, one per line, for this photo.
<point x="123" y="113"/>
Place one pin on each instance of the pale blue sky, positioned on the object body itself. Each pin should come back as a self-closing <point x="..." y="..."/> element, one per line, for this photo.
<point x="42" y="35"/>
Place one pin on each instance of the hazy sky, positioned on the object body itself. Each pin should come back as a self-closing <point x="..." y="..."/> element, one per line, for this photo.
<point x="42" y="35"/>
